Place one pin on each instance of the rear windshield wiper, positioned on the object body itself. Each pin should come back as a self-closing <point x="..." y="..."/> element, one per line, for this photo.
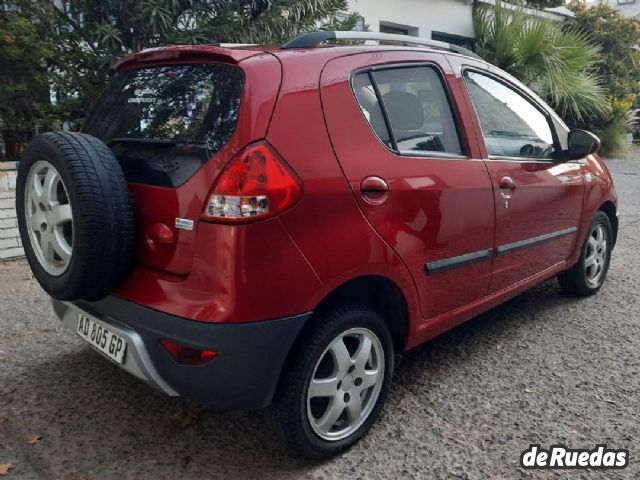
<point x="151" y="142"/>
<point x="157" y="142"/>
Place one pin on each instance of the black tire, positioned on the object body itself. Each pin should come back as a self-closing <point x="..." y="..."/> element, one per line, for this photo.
<point x="102" y="232"/>
<point x="288" y="412"/>
<point x="575" y="281"/>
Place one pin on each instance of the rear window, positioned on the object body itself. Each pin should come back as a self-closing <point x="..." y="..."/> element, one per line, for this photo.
<point x="163" y="123"/>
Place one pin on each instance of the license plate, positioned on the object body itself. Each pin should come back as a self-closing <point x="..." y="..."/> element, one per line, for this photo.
<point x="105" y="341"/>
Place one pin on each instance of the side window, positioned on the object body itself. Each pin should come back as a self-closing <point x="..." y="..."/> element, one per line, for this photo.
<point x="417" y="108"/>
<point x="368" y="101"/>
<point x="511" y="125"/>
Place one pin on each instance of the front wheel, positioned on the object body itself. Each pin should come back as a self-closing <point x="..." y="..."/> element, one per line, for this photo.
<point x="588" y="275"/>
<point x="334" y="386"/>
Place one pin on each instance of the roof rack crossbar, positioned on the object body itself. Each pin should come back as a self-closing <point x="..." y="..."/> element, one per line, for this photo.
<point x="313" y="39"/>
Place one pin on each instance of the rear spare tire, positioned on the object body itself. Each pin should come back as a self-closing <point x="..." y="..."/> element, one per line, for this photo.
<point x="74" y="215"/>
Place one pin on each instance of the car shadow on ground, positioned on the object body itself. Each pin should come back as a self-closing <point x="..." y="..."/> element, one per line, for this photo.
<point x="96" y="411"/>
<point x="501" y="324"/>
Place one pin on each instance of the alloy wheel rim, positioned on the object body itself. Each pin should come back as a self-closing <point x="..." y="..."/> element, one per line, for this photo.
<point x="49" y="218"/>
<point x="595" y="257"/>
<point x="346" y="384"/>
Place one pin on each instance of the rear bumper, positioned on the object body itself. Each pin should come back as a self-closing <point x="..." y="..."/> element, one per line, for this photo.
<point x="243" y="376"/>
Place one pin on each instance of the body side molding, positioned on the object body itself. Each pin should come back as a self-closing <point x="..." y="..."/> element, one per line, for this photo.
<point x="530" y="242"/>
<point x="438" y="266"/>
<point x="458" y="261"/>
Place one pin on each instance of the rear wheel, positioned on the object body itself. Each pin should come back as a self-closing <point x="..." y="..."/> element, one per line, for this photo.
<point x="334" y="386"/>
<point x="588" y="275"/>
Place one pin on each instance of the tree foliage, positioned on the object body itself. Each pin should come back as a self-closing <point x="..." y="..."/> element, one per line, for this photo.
<point x="618" y="38"/>
<point x="24" y="78"/>
<point x="557" y="62"/>
<point x="73" y="48"/>
<point x="116" y="26"/>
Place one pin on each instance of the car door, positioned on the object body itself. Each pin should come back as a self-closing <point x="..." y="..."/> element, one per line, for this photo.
<point x="393" y="123"/>
<point x="538" y="197"/>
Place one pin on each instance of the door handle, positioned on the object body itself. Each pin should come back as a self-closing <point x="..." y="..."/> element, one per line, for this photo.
<point x="507" y="183"/>
<point x="374" y="189"/>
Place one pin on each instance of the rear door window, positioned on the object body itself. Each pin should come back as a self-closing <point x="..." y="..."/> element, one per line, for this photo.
<point x="416" y="106"/>
<point x="163" y="123"/>
<point x="370" y="106"/>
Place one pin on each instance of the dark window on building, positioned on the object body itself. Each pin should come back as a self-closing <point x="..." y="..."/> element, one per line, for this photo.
<point x="397" y="29"/>
<point x="466" y="42"/>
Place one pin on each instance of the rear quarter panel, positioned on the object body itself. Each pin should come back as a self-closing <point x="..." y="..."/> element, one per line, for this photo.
<point x="327" y="224"/>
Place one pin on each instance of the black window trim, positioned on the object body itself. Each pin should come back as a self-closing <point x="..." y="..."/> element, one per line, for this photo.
<point x="383" y="109"/>
<point x="370" y="71"/>
<point x="558" y="155"/>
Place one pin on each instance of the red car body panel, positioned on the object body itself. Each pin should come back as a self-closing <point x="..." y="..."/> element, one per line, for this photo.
<point x="302" y="103"/>
<point x="228" y="287"/>
<point x="430" y="213"/>
<point x="157" y="205"/>
<point x="187" y="54"/>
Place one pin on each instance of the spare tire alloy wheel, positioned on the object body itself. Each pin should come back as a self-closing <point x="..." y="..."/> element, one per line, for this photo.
<point x="345" y="388"/>
<point x="49" y="218"/>
<point x="75" y="216"/>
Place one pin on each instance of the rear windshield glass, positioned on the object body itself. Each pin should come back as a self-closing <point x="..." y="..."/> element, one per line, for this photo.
<point x="163" y="123"/>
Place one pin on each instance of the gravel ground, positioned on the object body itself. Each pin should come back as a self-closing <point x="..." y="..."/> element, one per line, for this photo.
<point x="542" y="368"/>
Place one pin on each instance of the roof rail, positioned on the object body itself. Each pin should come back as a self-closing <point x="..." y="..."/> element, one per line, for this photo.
<point x="314" y="39"/>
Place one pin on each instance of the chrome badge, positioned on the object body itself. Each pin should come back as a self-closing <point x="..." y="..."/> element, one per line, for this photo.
<point x="184" y="224"/>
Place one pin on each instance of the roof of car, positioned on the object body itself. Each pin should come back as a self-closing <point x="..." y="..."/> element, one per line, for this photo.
<point x="307" y="44"/>
<point x="236" y="54"/>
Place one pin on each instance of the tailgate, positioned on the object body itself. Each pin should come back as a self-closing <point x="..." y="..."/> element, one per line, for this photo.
<point x="173" y="127"/>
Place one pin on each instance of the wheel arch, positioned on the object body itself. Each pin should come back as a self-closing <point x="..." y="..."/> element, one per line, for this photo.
<point x="376" y="291"/>
<point x="610" y="210"/>
<point x="380" y="293"/>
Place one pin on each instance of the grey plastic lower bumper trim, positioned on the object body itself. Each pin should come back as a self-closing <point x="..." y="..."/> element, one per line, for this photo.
<point x="136" y="361"/>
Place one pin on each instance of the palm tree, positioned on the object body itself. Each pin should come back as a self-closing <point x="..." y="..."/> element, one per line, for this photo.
<point x="556" y="61"/>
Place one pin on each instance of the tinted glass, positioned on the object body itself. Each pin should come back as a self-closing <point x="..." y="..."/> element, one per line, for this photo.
<point x="164" y="122"/>
<point x="511" y="125"/>
<point x="370" y="106"/>
<point x="418" y="110"/>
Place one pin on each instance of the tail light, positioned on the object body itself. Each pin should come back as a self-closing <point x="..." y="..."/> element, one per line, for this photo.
<point x="257" y="184"/>
<point x="186" y="355"/>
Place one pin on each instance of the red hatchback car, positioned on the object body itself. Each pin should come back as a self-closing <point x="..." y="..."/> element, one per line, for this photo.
<point x="259" y="226"/>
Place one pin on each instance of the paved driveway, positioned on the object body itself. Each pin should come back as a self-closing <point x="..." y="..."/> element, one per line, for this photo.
<point x="543" y="368"/>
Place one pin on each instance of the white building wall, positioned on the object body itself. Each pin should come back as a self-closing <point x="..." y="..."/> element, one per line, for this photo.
<point x="10" y="244"/>
<point x="629" y="8"/>
<point x="447" y="16"/>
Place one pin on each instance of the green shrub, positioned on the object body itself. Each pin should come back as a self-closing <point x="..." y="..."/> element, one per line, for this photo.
<point x="613" y="132"/>
<point x="557" y="62"/>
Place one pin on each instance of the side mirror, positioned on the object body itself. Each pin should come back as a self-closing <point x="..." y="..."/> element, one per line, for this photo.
<point x="581" y="143"/>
